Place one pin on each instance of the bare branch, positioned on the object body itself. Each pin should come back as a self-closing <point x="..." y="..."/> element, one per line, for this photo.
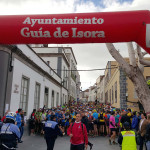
<point x="116" y="55"/>
<point x="145" y="62"/>
<point x="131" y="54"/>
<point x="141" y="58"/>
<point x="139" y="52"/>
<point x="144" y="53"/>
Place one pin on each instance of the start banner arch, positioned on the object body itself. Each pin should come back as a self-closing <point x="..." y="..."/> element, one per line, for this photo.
<point x="103" y="27"/>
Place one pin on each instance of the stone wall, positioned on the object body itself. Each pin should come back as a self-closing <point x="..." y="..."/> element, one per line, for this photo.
<point x="123" y="84"/>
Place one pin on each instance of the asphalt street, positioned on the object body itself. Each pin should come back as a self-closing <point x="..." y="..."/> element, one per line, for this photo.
<point x="62" y="143"/>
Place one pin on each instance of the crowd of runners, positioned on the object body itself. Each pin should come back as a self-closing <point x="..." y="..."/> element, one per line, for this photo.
<point x="96" y="117"/>
<point x="99" y="119"/>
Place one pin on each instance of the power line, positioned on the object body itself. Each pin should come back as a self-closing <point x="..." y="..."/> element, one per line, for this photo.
<point x="87" y="69"/>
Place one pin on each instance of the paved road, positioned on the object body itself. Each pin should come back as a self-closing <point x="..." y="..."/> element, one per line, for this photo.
<point x="62" y="143"/>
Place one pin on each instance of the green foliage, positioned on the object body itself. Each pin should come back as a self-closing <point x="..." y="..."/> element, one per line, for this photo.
<point x="148" y="83"/>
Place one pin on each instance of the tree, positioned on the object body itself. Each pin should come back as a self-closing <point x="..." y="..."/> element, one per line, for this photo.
<point x="134" y="71"/>
<point x="148" y="83"/>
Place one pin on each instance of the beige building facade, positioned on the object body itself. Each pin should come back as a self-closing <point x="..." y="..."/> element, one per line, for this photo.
<point x="119" y="90"/>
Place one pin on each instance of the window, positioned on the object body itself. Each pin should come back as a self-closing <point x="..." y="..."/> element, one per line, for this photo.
<point x="102" y="96"/>
<point x="112" y="95"/>
<point x="147" y="78"/>
<point x="63" y="99"/>
<point x="37" y="96"/>
<point x="24" y="94"/>
<point x="57" y="100"/>
<point x="53" y="99"/>
<point x="116" y="92"/>
<point x="106" y="97"/>
<point x="46" y="97"/>
<point x="64" y="77"/>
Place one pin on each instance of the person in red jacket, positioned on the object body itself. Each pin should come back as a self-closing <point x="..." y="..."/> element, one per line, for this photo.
<point x="78" y="134"/>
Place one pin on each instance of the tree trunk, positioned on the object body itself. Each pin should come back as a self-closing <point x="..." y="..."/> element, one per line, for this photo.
<point x="141" y="88"/>
<point x="135" y="75"/>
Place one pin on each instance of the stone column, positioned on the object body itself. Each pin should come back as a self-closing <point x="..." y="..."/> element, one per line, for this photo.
<point x="123" y="84"/>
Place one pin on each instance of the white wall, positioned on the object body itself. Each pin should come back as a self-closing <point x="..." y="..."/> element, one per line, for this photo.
<point x="92" y="95"/>
<point x="65" y="78"/>
<point x="53" y="62"/>
<point x="20" y="70"/>
<point x="73" y="89"/>
<point x="46" y="49"/>
<point x="28" y="52"/>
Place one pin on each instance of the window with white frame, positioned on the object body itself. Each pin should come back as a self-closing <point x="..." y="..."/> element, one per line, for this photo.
<point x="53" y="98"/>
<point x="57" y="100"/>
<point x="46" y="97"/>
<point x="24" y="94"/>
<point x="110" y="96"/>
<point x="37" y="96"/>
<point x="63" y="99"/>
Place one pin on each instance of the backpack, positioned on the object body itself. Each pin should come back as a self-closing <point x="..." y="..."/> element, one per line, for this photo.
<point x="82" y="129"/>
<point x="81" y="126"/>
<point x="101" y="116"/>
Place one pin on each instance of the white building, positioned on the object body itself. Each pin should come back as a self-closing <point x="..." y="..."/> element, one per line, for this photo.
<point x="73" y="74"/>
<point x="100" y="83"/>
<point x="62" y="60"/>
<point x="92" y="93"/>
<point x="78" y="84"/>
<point x="28" y="82"/>
<point x="98" y="88"/>
<point x="55" y="57"/>
<point x="102" y="89"/>
<point x="84" y="95"/>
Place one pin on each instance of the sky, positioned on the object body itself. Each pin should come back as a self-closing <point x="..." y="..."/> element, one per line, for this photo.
<point x="89" y="56"/>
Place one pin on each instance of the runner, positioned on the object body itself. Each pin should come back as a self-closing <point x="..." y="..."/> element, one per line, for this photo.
<point x="78" y="134"/>
<point x="112" y="126"/>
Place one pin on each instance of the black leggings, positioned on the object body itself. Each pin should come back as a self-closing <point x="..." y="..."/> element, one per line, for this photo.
<point x="50" y="143"/>
<point x="77" y="147"/>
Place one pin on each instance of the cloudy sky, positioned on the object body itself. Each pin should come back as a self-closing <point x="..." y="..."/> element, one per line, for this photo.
<point x="89" y="56"/>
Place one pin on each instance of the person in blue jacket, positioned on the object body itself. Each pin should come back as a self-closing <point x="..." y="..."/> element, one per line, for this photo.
<point x="51" y="131"/>
<point x="134" y="122"/>
<point x="19" y="122"/>
<point x="9" y="133"/>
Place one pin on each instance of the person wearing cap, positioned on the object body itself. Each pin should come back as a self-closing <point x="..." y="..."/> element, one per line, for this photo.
<point x="127" y="138"/>
<point x="51" y="130"/>
<point x="9" y="133"/>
